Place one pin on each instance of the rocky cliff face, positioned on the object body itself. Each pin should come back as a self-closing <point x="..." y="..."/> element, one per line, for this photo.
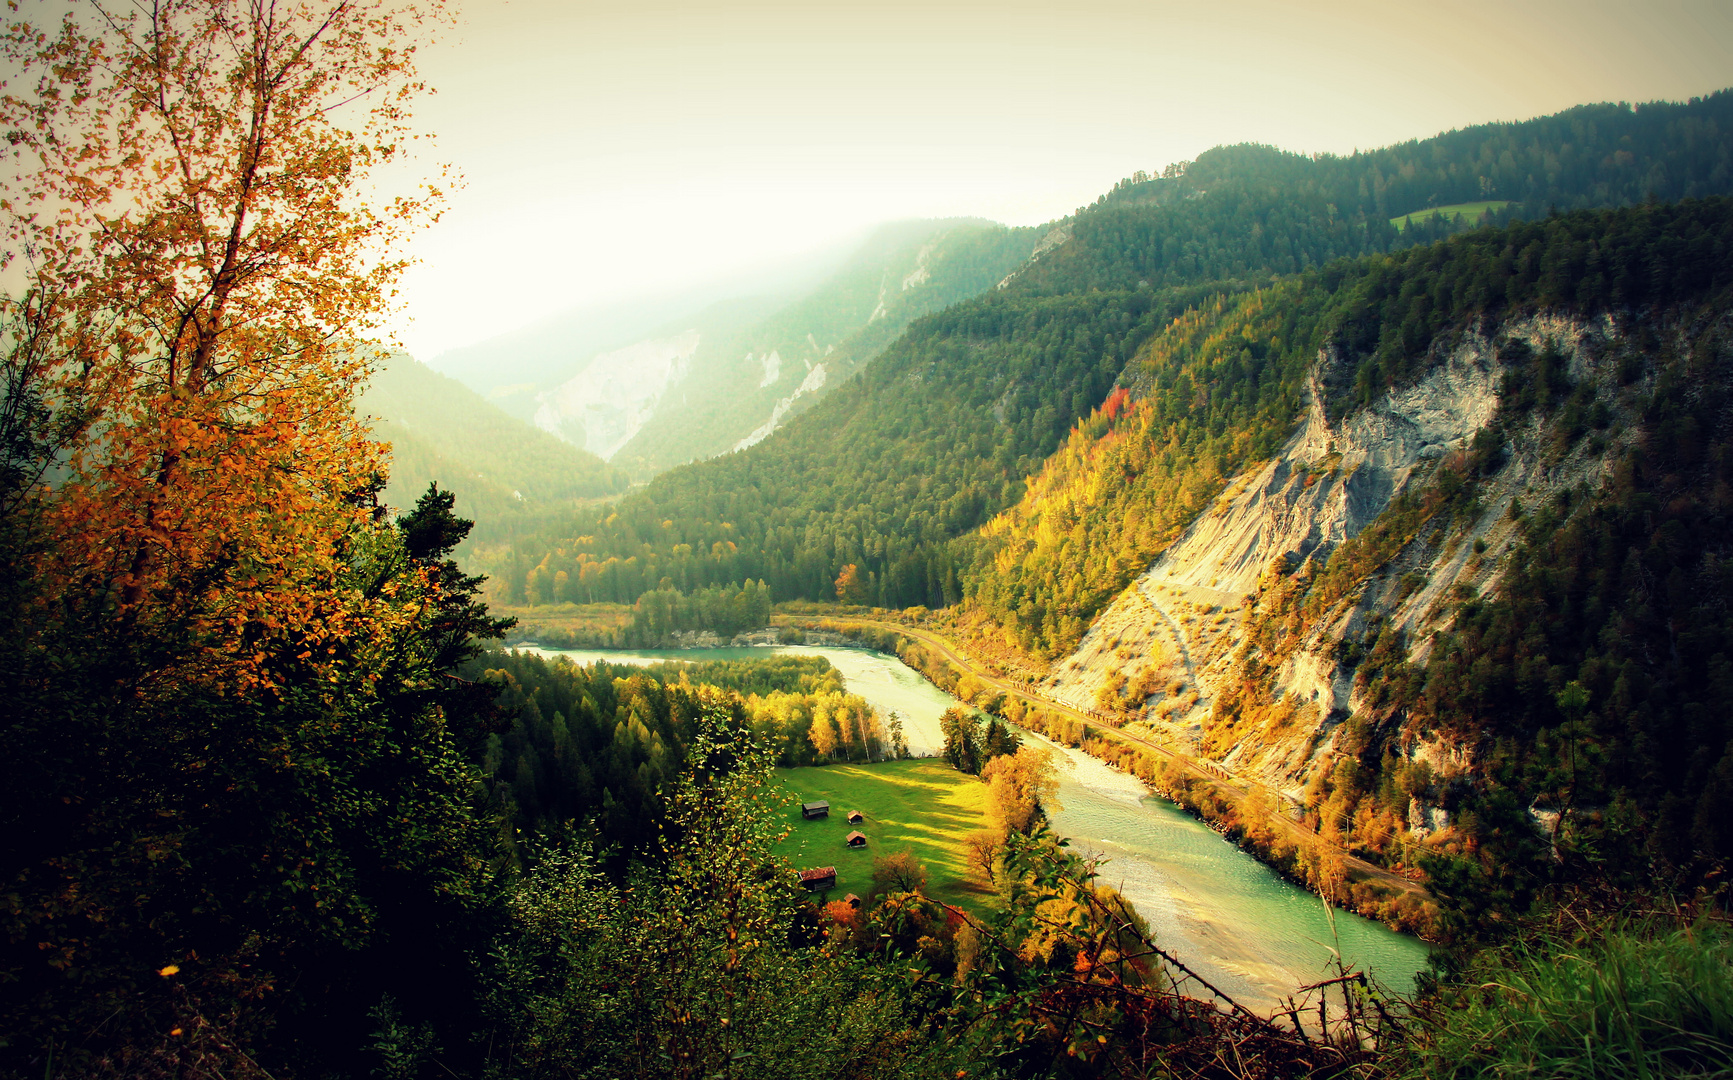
<point x="609" y="399"/>
<point x="1188" y="626"/>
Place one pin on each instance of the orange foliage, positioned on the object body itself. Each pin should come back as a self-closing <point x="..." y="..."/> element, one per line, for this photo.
<point x="1135" y="472"/>
<point x="851" y="588"/>
<point x="204" y="271"/>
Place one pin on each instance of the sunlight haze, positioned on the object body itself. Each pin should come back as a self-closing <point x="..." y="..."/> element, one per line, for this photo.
<point x="614" y="150"/>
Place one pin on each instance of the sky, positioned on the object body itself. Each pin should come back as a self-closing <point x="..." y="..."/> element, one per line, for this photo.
<point x="612" y="150"/>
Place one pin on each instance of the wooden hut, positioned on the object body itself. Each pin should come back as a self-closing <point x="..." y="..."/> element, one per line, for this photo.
<point x="852" y="901"/>
<point x="811" y="810"/>
<point x="855" y="839"/>
<point x="818" y="879"/>
<point x="855" y="817"/>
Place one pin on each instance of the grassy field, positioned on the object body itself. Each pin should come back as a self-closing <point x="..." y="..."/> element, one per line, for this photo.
<point x="567" y="625"/>
<point x="923" y="805"/>
<point x="1472" y="209"/>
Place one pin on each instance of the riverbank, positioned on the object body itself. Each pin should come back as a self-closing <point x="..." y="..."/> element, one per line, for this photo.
<point x="609" y="626"/>
<point x="1253" y="816"/>
<point x="1232" y="919"/>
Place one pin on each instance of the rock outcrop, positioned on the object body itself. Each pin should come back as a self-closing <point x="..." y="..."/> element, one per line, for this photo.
<point x="1185" y="619"/>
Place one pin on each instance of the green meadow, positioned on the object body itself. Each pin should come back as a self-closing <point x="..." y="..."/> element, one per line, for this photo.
<point x="923" y="805"/>
<point x="1472" y="210"/>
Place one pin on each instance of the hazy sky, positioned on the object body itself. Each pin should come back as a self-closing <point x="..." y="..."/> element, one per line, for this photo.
<point x="611" y="149"/>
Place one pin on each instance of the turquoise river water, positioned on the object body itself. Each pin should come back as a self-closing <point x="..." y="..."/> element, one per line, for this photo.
<point x="1220" y="911"/>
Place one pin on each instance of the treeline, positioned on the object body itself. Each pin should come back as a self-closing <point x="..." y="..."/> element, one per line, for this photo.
<point x="939" y="434"/>
<point x="1589" y="156"/>
<point x="587" y="752"/>
<point x="656" y="620"/>
<point x="727" y="610"/>
<point x="807" y="728"/>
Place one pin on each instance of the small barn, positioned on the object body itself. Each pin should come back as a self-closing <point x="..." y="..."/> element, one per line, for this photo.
<point x="811" y="810"/>
<point x="852" y="901"/>
<point x="855" y="839"/>
<point x="855" y="817"/>
<point x="818" y="879"/>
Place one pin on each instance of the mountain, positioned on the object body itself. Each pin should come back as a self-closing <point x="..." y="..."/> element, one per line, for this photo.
<point x="738" y="388"/>
<point x="606" y="400"/>
<point x="1470" y="612"/>
<point x="663" y="382"/>
<point x="510" y="369"/>
<point x="941" y="432"/>
<point x="499" y="466"/>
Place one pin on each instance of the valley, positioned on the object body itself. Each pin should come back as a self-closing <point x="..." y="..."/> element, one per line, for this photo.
<point x="1271" y="621"/>
<point x="1166" y="754"/>
<point x="1244" y="929"/>
<point x="1242" y="557"/>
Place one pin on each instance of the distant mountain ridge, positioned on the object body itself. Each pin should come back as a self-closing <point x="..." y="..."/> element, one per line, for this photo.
<point x="499" y="466"/>
<point x="511" y="368"/>
<point x="741" y="387"/>
<point x="651" y="386"/>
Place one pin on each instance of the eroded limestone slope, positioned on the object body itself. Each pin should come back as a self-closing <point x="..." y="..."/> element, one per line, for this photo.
<point x="1186" y="619"/>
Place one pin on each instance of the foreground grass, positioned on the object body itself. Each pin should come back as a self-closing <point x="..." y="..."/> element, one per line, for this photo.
<point x="1472" y="210"/>
<point x="1640" y="1003"/>
<point x="923" y="805"/>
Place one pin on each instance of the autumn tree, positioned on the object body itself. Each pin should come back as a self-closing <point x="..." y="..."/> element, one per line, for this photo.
<point x="823" y="736"/>
<point x="851" y="585"/>
<point x="238" y="805"/>
<point x="1019" y="786"/>
<point x="204" y="269"/>
<point x="897" y="872"/>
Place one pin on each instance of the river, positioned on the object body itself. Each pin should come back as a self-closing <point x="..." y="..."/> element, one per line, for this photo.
<point x="1220" y="911"/>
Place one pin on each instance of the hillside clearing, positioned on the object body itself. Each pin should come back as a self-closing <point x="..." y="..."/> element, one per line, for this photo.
<point x="923" y="805"/>
<point x="1455" y="210"/>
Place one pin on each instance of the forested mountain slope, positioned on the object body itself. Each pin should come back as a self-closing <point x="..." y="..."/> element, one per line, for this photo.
<point x="499" y="466"/>
<point x="1473" y="615"/>
<point x="1223" y="387"/>
<point x="941" y="431"/>
<point x="741" y="386"/>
